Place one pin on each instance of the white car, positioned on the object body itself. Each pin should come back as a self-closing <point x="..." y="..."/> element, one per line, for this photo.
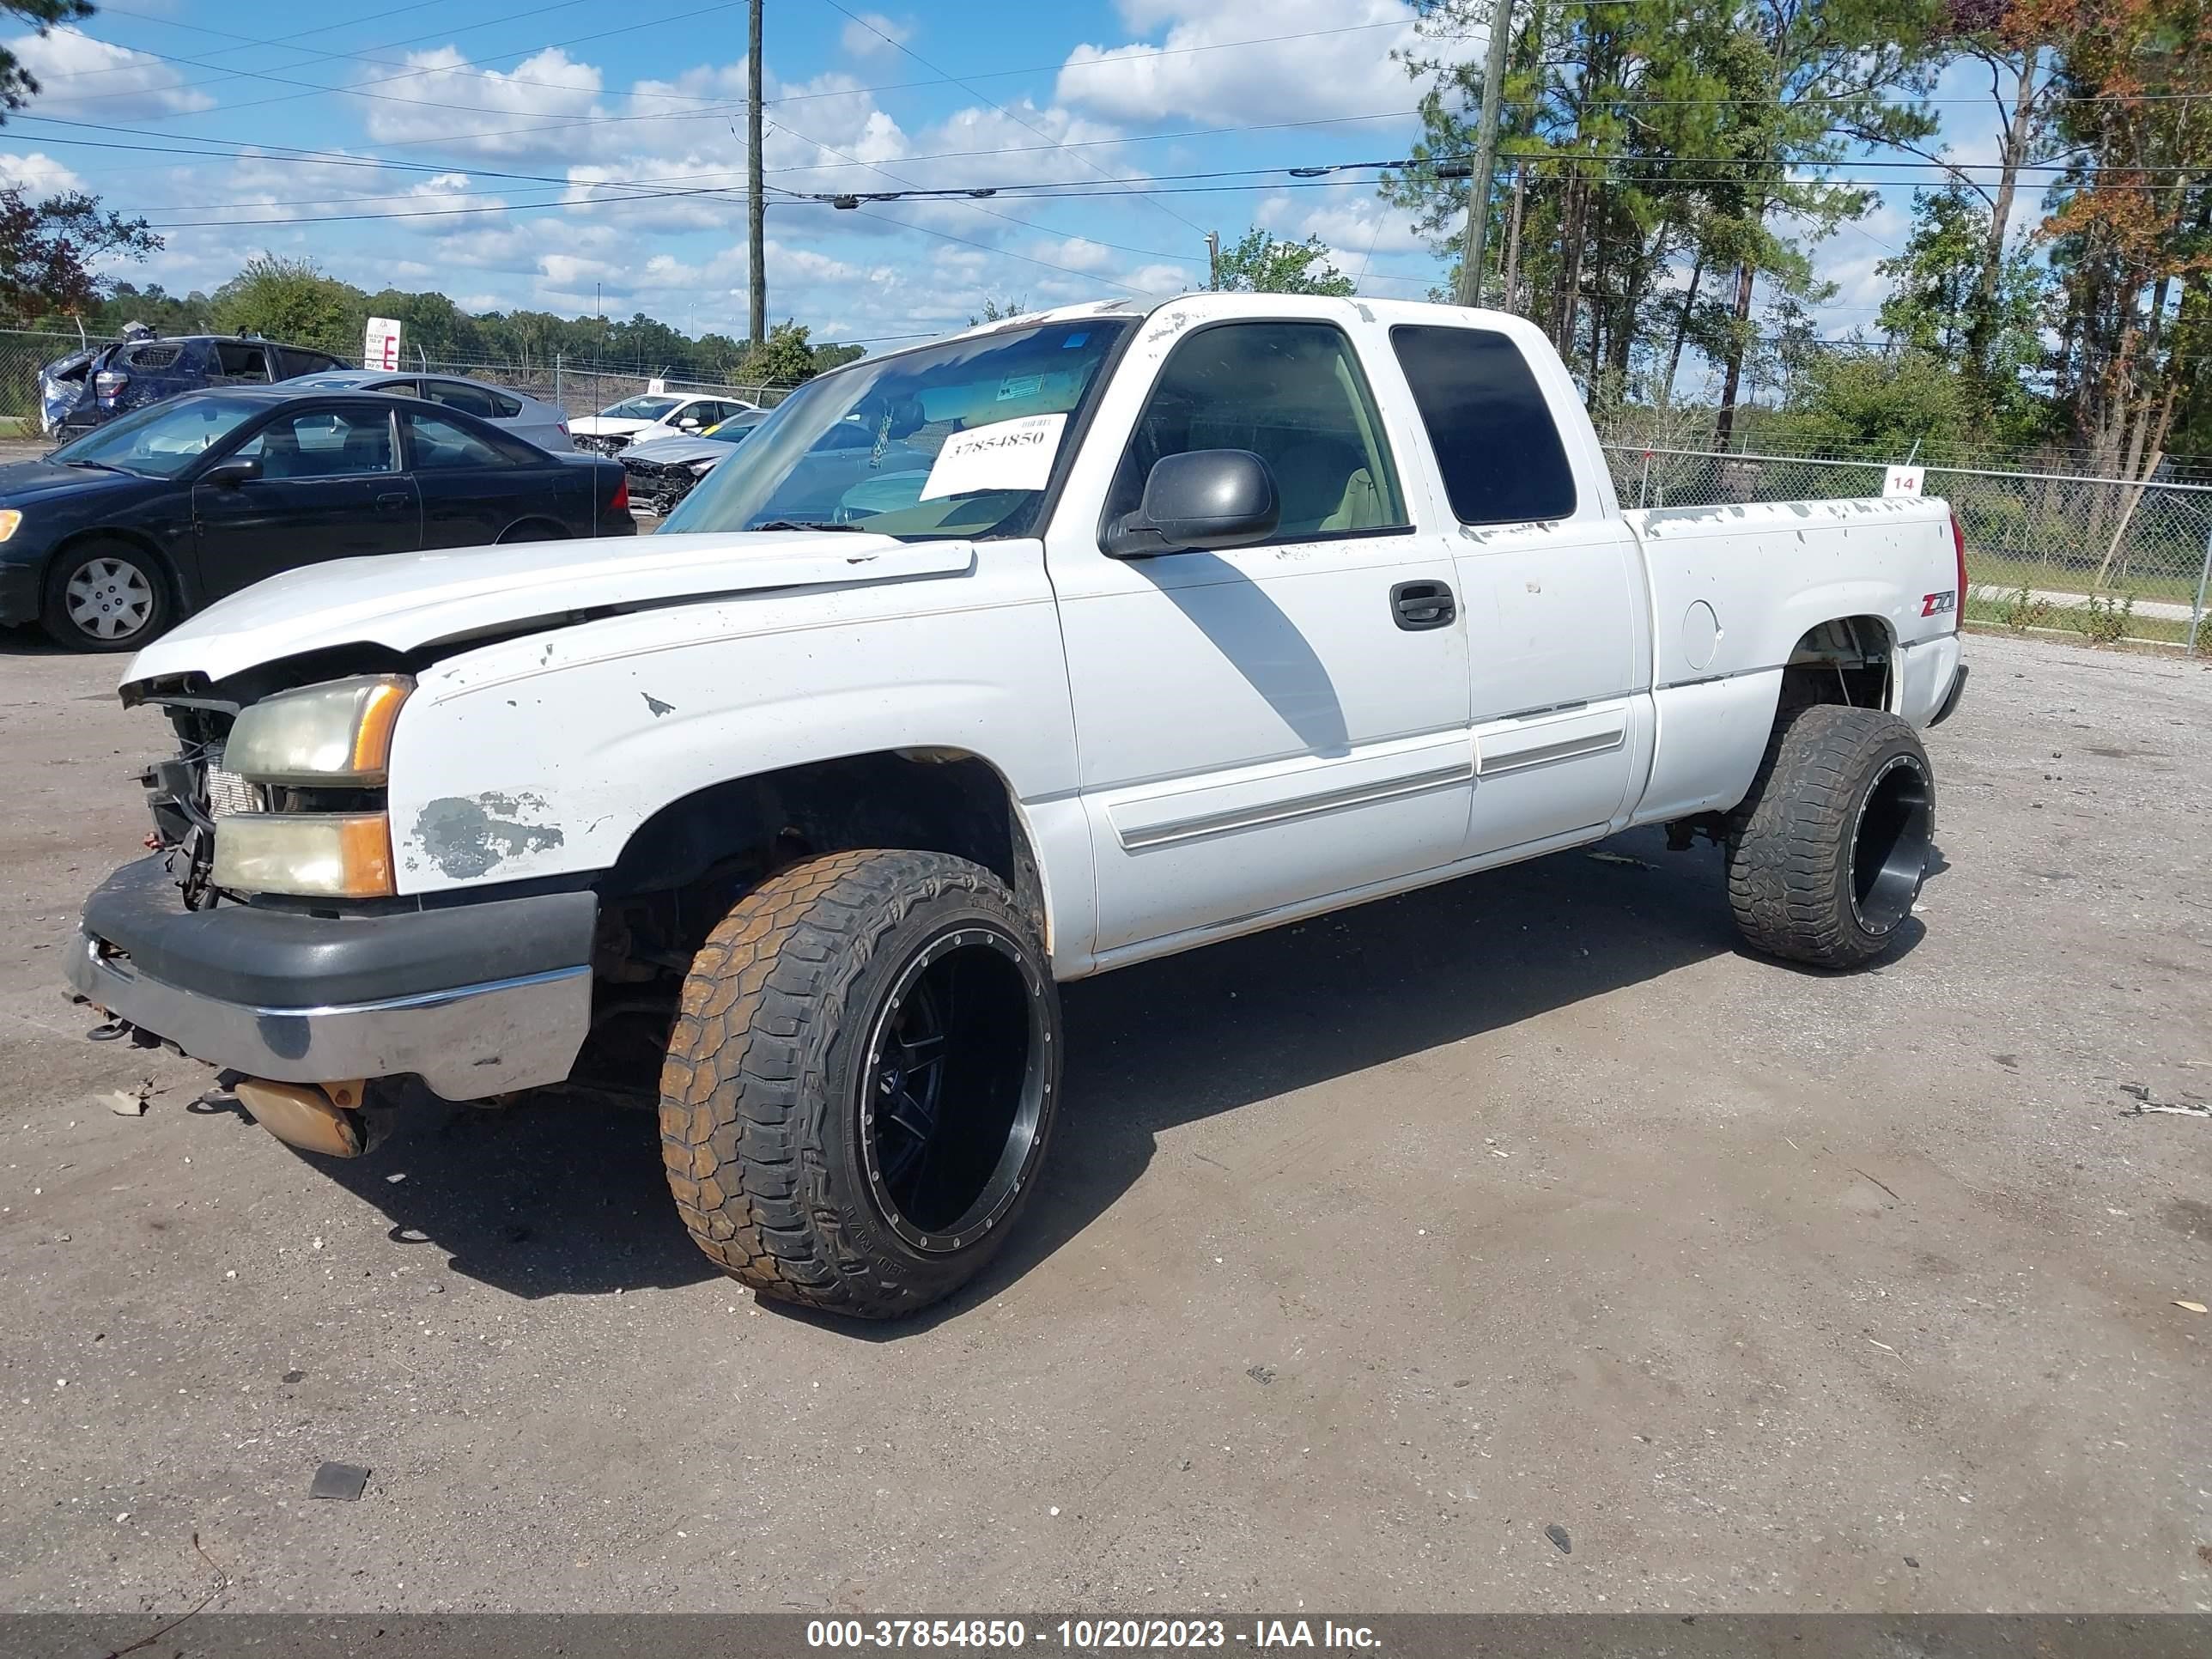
<point x="653" y="415"/>
<point x="526" y="417"/>
<point x="1123" y="631"/>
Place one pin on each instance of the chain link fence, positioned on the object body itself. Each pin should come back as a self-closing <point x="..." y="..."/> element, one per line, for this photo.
<point x="2107" y="558"/>
<point x="578" y="386"/>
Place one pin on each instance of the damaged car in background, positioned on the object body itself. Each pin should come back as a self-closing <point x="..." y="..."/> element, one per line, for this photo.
<point x="653" y="415"/>
<point x="662" y="471"/>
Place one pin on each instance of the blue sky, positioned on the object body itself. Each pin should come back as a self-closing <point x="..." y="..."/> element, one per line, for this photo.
<point x="520" y="141"/>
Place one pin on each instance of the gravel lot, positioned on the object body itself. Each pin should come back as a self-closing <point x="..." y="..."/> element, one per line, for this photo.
<point x="1372" y="1249"/>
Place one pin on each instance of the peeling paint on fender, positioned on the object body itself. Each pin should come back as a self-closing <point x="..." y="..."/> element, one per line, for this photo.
<point x="461" y="836"/>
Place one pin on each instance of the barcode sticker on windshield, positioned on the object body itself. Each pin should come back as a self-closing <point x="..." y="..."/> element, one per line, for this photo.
<point x="1003" y="455"/>
<point x="1020" y="385"/>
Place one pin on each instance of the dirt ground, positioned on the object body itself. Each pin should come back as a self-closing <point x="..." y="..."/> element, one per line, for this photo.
<point x="1370" y="1249"/>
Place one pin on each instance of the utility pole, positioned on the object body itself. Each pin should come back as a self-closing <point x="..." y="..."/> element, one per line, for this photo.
<point x="1213" y="259"/>
<point x="755" y="198"/>
<point x="1486" y="154"/>
<point x="1512" y="274"/>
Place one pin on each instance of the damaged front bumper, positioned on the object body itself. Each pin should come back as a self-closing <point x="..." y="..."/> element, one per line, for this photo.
<point x="476" y="1000"/>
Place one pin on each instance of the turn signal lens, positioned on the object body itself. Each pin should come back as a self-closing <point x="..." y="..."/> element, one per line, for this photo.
<point x="312" y="854"/>
<point x="10" y="521"/>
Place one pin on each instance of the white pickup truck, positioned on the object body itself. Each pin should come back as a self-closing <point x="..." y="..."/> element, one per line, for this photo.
<point x="1070" y="641"/>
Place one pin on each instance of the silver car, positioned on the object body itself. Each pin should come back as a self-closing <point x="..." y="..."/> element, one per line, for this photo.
<point x="541" y="423"/>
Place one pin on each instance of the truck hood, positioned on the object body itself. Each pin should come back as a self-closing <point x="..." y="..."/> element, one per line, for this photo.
<point x="404" y="601"/>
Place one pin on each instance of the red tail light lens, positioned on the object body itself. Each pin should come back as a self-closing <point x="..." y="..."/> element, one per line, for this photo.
<point x="622" y="495"/>
<point x="108" y="382"/>
<point x="1959" y="542"/>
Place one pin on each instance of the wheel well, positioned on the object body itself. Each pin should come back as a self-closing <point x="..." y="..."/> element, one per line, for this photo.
<point x="689" y="862"/>
<point x="1847" y="660"/>
<point x="136" y="542"/>
<point x="558" y="532"/>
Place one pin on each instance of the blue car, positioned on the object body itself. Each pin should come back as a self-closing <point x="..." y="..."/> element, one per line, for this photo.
<point x="132" y="374"/>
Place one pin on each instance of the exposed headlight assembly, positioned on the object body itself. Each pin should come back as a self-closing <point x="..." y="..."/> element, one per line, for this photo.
<point x="333" y="737"/>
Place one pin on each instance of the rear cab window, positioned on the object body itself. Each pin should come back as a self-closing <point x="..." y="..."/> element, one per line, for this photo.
<point x="1496" y="443"/>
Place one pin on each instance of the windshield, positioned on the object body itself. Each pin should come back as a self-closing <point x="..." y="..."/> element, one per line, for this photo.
<point x="641" y="409"/>
<point x="735" y="428"/>
<point x="956" y="440"/>
<point x="161" y="440"/>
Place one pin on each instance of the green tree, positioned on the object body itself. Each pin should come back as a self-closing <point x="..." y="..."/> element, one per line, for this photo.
<point x="1882" y="402"/>
<point x="291" y="299"/>
<point x="996" y="310"/>
<point x="1261" y="263"/>
<point x="782" y="359"/>
<point x="1945" y="306"/>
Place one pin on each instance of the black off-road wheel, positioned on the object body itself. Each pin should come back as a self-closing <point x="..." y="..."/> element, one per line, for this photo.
<point x="1826" y="854"/>
<point x="861" y="1081"/>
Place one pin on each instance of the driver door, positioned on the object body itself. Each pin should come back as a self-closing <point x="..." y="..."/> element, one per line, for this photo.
<point x="329" y="487"/>
<point x="1276" y="723"/>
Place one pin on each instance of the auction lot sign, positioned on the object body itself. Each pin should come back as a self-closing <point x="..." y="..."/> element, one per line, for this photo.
<point x="1446" y="1635"/>
<point x="380" y="349"/>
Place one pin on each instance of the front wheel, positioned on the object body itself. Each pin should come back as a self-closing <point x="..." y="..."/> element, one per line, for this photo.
<point x="1826" y="855"/>
<point x="860" y="1080"/>
<point x="104" y="596"/>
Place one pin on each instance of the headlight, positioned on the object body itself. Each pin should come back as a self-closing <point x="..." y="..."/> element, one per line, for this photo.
<point x="321" y="736"/>
<point x="315" y="854"/>
<point x="10" y="521"/>
<point x="699" y="470"/>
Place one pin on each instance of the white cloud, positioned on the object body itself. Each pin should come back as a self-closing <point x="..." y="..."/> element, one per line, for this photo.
<point x="37" y="176"/>
<point x="1353" y="225"/>
<point x="81" y="76"/>
<point x="871" y="33"/>
<point x="1327" y="69"/>
<point x="516" y="109"/>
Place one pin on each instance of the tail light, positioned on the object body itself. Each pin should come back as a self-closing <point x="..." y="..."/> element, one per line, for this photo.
<point x="1958" y="543"/>
<point x="622" y="495"/>
<point x="108" y="384"/>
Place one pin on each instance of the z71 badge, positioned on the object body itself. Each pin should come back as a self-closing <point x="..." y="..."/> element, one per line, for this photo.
<point x="1935" y="604"/>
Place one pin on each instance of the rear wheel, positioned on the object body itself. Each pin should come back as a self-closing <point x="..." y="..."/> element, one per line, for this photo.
<point x="1826" y="855"/>
<point x="861" y="1082"/>
<point x="105" y="596"/>
<point x="532" y="530"/>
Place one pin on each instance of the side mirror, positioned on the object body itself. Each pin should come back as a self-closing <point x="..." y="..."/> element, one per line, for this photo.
<point x="238" y="469"/>
<point x="1206" y="499"/>
<point x="688" y="424"/>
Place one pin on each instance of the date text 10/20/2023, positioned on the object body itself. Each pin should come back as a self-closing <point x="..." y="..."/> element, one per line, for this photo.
<point x="1086" y="1635"/>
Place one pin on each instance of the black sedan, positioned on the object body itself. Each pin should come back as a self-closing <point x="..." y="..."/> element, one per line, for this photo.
<point x="162" y="511"/>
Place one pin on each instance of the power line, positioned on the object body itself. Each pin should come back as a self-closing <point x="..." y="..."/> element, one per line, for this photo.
<point x="835" y="6"/>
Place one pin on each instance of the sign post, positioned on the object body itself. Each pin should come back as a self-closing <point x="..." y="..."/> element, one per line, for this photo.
<point x="381" y="348"/>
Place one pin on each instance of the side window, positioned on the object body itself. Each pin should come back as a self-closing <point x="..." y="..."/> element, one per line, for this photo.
<point x="441" y="445"/>
<point x="155" y="354"/>
<point x="1291" y="393"/>
<point x="503" y="407"/>
<point x="456" y="394"/>
<point x="398" y="388"/>
<point x="293" y="362"/>
<point x="234" y="361"/>
<point x="323" y="444"/>
<point x="1495" y="442"/>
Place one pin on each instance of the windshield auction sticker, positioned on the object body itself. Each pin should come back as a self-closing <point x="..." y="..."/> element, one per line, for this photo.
<point x="1003" y="455"/>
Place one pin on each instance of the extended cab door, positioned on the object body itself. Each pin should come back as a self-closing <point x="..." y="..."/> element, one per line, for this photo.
<point x="1552" y="583"/>
<point x="1274" y="723"/>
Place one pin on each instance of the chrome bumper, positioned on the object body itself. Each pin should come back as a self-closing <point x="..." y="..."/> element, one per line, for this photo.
<point x="463" y="1043"/>
<point x="300" y="1000"/>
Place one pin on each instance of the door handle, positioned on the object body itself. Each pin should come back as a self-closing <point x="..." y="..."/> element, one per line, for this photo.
<point x="392" y="498"/>
<point x="1418" y="605"/>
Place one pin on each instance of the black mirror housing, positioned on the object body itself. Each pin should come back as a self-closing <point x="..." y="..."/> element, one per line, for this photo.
<point x="235" y="470"/>
<point x="1206" y="499"/>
